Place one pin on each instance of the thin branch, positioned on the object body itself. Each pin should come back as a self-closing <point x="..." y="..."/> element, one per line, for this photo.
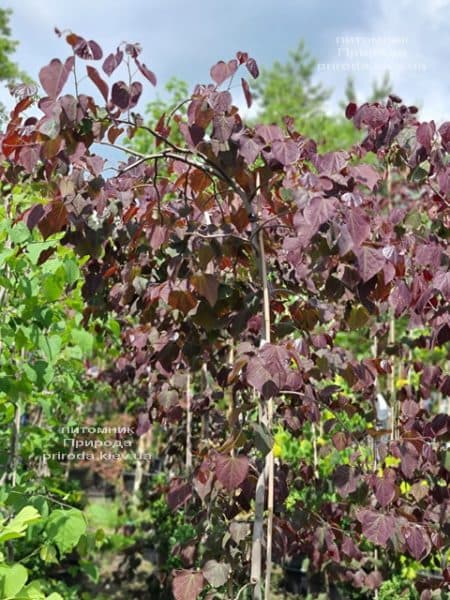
<point x="188" y="425"/>
<point x="270" y="467"/>
<point x="264" y="223"/>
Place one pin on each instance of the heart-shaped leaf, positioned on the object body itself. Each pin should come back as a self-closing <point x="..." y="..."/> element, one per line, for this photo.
<point x="231" y="471"/>
<point x="187" y="585"/>
<point x="216" y="573"/>
<point x="54" y="76"/>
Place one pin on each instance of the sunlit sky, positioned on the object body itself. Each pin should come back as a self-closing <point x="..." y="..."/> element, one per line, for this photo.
<point x="363" y="38"/>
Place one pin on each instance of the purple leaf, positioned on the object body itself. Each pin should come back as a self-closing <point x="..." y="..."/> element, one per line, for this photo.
<point x="365" y="174"/>
<point x="267" y="370"/>
<point x="358" y="226"/>
<point x="370" y="262"/>
<point x="133" y="50"/>
<point x="345" y="480"/>
<point x="102" y="86"/>
<point x="252" y="67"/>
<point x="179" y="493"/>
<point x="223" y="127"/>
<point x="242" y="57"/>
<point x="54" y="76"/>
<point x="220" y="101"/>
<point x="216" y="573"/>
<point x="247" y="92"/>
<point x="373" y="115"/>
<point x="350" y="110"/>
<point x="318" y="211"/>
<point x="428" y="254"/>
<point x="69" y="107"/>
<point x="384" y="491"/>
<point x="269" y="133"/>
<point x="88" y="50"/>
<point x="239" y="531"/>
<point x="202" y="482"/>
<point x="34" y="215"/>
<point x="143" y="423"/>
<point x="222" y="70"/>
<point x="146" y="72"/>
<point x="417" y="541"/>
<point x="350" y="549"/>
<point x="409" y="459"/>
<point x="192" y="134"/>
<point x="400" y="297"/>
<point x="373" y="580"/>
<point x="120" y="95"/>
<point x="187" y="585"/>
<point x="231" y="471"/>
<point x="425" y="133"/>
<point x="29" y="156"/>
<point x="441" y="281"/>
<point x="444" y="131"/>
<point x="331" y="162"/>
<point x="249" y="148"/>
<point x="112" y="61"/>
<point x="22" y="90"/>
<point x="377" y="527"/>
<point x="135" y="93"/>
<point x="207" y="286"/>
<point x="285" y="151"/>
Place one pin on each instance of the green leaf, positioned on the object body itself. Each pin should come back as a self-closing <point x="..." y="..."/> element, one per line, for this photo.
<point x="5" y="384"/>
<point x="48" y="554"/>
<point x="262" y="439"/>
<point x="358" y="317"/>
<point x="36" y="248"/>
<point x="84" y="340"/>
<point x="447" y="460"/>
<point x="32" y="591"/>
<point x="52" y="288"/>
<point x="114" y="327"/>
<point x="23" y="337"/>
<point x="72" y="272"/>
<point x="419" y="175"/>
<point x="39" y="373"/>
<point x="5" y="255"/>
<point x="91" y="570"/>
<point x="50" y="346"/>
<point x="7" y="412"/>
<point x="16" y="527"/>
<point x="64" y="528"/>
<point x="20" y="233"/>
<point x="12" y="580"/>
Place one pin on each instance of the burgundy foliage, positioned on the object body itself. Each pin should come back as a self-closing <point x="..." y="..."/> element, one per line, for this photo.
<point x="172" y="246"/>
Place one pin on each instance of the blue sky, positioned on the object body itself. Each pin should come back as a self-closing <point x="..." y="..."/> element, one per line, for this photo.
<point x="184" y="38"/>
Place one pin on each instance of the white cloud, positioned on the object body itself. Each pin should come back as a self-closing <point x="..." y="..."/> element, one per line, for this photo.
<point x="184" y="39"/>
<point x="412" y="46"/>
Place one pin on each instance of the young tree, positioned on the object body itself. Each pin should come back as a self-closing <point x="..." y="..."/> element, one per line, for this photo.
<point x="380" y="90"/>
<point x="289" y="88"/>
<point x="248" y="250"/>
<point x="9" y="70"/>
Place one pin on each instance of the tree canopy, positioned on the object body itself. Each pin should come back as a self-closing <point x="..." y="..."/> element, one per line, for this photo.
<point x="249" y="299"/>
